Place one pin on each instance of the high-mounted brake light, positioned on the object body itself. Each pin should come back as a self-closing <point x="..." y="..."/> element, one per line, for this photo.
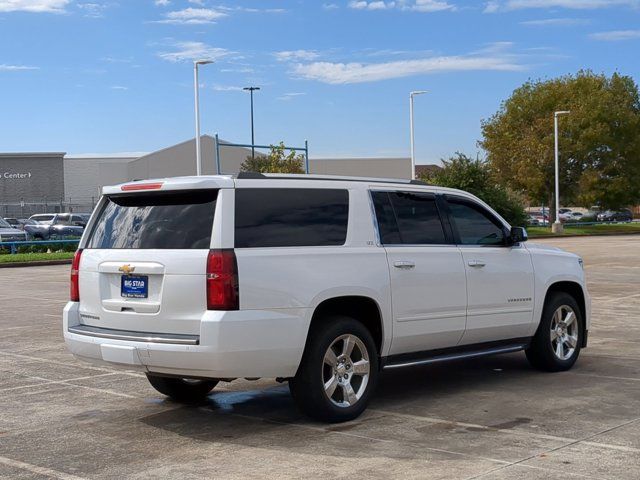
<point x="141" y="186"/>
<point x="222" y="280"/>
<point x="74" y="289"/>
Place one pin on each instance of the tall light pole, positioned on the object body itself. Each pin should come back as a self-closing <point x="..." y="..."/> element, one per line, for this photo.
<point x="413" y="148"/>
<point x="557" y="226"/>
<point x="253" y="142"/>
<point x="196" y="90"/>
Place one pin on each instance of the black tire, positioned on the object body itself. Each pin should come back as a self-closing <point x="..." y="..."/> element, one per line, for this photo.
<point x="182" y="390"/>
<point x="542" y="351"/>
<point x="308" y="388"/>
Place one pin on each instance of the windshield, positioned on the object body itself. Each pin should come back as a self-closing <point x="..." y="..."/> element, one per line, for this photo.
<point x="46" y="219"/>
<point x="179" y="220"/>
<point x="4" y="223"/>
<point x="63" y="220"/>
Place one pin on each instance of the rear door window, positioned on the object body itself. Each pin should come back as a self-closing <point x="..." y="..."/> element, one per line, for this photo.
<point x="161" y="220"/>
<point x="291" y="217"/>
<point x="409" y="218"/>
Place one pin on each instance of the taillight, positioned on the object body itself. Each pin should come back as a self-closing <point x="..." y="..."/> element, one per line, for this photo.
<point x="74" y="293"/>
<point x="222" y="280"/>
<point x="141" y="186"/>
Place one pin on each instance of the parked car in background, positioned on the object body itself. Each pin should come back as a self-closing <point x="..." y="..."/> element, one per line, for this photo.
<point x="10" y="234"/>
<point x="623" y="215"/>
<point x="533" y="221"/>
<point x="19" y="223"/>
<point x="564" y="214"/>
<point x="542" y="217"/>
<point x="55" y="226"/>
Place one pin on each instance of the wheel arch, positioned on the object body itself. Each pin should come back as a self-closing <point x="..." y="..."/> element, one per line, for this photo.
<point x="576" y="291"/>
<point x="362" y="308"/>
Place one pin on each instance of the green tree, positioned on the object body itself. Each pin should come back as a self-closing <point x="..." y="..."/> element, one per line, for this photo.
<point x="277" y="161"/>
<point x="474" y="176"/>
<point x="599" y="140"/>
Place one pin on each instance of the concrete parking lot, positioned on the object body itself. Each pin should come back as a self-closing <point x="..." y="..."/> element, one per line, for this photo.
<point x="493" y="418"/>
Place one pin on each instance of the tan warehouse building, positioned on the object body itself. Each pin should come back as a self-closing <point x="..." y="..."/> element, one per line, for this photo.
<point x="53" y="182"/>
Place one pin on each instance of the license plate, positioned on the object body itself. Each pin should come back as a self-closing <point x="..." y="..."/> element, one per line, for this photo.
<point x="134" y="286"/>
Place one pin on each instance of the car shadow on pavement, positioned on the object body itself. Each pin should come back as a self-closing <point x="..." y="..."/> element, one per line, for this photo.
<point x="250" y="414"/>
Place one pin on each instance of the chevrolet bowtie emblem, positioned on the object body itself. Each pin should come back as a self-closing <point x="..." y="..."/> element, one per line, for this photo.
<point x="127" y="269"/>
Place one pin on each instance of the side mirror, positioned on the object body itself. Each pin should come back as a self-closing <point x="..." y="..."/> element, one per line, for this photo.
<point x="518" y="235"/>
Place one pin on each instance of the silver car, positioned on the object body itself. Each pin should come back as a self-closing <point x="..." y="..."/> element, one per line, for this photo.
<point x="10" y="234"/>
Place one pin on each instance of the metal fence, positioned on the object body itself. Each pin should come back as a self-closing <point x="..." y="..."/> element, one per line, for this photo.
<point x="26" y="208"/>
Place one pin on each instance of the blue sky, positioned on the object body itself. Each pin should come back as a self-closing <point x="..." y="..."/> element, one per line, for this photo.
<point x="116" y="75"/>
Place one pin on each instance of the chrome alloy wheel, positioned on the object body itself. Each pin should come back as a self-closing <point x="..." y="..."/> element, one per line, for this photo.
<point x="345" y="370"/>
<point x="564" y="332"/>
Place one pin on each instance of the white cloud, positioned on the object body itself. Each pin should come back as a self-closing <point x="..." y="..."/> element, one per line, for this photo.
<point x="15" y="68"/>
<point x="286" y="97"/>
<point x="118" y="87"/>
<point x="344" y="73"/>
<point x="556" y="22"/>
<point x="616" y="35"/>
<point x="330" y="6"/>
<point x="504" y="5"/>
<point x="427" y="6"/>
<point x="296" y="55"/>
<point x="162" y="3"/>
<point x="93" y="10"/>
<point x="185" y="51"/>
<point x="193" y="16"/>
<point x="407" y="5"/>
<point x="227" y="88"/>
<point x="36" y="6"/>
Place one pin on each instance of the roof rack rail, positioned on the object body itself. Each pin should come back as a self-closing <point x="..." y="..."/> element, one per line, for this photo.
<point x="337" y="178"/>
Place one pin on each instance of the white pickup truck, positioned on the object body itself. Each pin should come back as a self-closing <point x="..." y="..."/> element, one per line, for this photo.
<point x="319" y="281"/>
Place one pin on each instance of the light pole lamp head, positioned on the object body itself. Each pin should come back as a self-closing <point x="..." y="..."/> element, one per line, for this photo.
<point x="417" y="92"/>
<point x="251" y="89"/>
<point x="562" y="112"/>
<point x="203" y="61"/>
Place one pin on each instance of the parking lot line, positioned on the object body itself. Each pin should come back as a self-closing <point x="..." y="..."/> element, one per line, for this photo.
<point x="367" y="437"/>
<point x="585" y="440"/>
<point x="511" y="431"/>
<point x="67" y="364"/>
<point x="53" y="382"/>
<point x="38" y="470"/>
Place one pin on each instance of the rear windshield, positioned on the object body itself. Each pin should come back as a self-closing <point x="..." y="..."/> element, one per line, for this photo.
<point x="180" y="220"/>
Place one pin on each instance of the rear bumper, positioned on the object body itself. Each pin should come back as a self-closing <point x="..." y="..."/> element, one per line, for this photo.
<point x="245" y="343"/>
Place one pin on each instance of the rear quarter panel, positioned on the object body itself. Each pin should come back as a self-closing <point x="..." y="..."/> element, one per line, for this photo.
<point x="300" y="278"/>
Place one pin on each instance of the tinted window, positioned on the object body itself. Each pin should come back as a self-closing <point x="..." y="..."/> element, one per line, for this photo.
<point x="408" y="218"/>
<point x="475" y="225"/>
<point x="181" y="220"/>
<point x="387" y="225"/>
<point x="63" y="220"/>
<point x="291" y="217"/>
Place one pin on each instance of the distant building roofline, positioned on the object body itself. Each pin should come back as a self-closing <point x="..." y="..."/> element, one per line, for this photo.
<point x="32" y="154"/>
<point x="106" y="155"/>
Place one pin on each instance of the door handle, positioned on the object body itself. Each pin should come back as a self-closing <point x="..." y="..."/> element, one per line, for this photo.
<point x="404" y="265"/>
<point x="476" y="263"/>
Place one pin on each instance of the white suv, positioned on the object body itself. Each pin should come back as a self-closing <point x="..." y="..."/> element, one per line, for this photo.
<point x="319" y="281"/>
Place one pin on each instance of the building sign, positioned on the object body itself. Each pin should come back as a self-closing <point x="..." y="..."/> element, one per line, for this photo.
<point x="16" y="175"/>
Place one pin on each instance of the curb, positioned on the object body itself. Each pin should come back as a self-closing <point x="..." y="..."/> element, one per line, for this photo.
<point x="577" y="235"/>
<point x="38" y="263"/>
